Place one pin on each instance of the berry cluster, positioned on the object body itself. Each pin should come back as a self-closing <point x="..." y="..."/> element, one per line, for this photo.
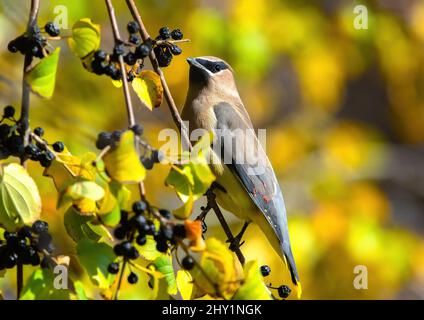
<point x="133" y="51"/>
<point x="164" y="49"/>
<point x="33" y="42"/>
<point x="40" y="151"/>
<point x="134" y="228"/>
<point x="150" y="155"/>
<point x="283" y="290"/>
<point x="28" y="246"/>
<point x="12" y="142"/>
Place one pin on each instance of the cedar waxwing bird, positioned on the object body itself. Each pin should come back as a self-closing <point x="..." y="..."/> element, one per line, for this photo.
<point x="249" y="188"/>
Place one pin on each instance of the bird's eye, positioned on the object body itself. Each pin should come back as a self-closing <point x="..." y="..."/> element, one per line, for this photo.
<point x="218" y="67"/>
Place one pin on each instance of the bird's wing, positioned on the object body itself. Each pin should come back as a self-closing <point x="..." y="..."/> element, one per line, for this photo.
<point x="254" y="171"/>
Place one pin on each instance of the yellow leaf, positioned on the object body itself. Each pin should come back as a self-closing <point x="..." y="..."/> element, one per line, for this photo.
<point x="184" y="284"/>
<point x="148" y="88"/>
<point x="65" y="168"/>
<point x="253" y="287"/>
<point x="85" y="207"/>
<point x="122" y="162"/>
<point x="220" y="266"/>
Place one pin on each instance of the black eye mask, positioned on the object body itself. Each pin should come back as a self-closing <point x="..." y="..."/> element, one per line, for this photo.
<point x="213" y="66"/>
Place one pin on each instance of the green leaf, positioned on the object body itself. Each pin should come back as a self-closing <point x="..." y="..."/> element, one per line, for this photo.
<point x="42" y="77"/>
<point x="148" y="251"/>
<point x="39" y="286"/>
<point x="85" y="189"/>
<point x="79" y="227"/>
<point x="253" y="287"/>
<point x="164" y="265"/>
<point x="122" y="162"/>
<point x="20" y="201"/>
<point x="79" y="290"/>
<point x="116" y="199"/>
<point x="85" y="37"/>
<point x="190" y="181"/>
<point x="95" y="258"/>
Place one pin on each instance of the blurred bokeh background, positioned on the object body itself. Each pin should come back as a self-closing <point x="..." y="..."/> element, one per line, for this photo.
<point x="343" y="109"/>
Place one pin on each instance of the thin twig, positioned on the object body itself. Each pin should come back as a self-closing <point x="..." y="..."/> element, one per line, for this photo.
<point x="121" y="276"/>
<point x="117" y="36"/>
<point x="168" y="96"/>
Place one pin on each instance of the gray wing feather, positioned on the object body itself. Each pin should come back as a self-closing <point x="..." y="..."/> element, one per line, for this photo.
<point x="257" y="177"/>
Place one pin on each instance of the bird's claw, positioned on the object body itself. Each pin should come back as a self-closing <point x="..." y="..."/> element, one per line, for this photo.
<point x="235" y="243"/>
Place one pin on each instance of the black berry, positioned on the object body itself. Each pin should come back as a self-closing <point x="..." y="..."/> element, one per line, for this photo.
<point x="177" y="34"/>
<point x="141" y="240"/>
<point x="176" y="50"/>
<point x="142" y="51"/>
<point x="40" y="227"/>
<point x="39" y="131"/>
<point x="58" y="146"/>
<point x="265" y="270"/>
<point x="103" y="140"/>
<point x="137" y="129"/>
<point x="113" y="268"/>
<point x="147" y="163"/>
<point x="9" y="112"/>
<point x="52" y="29"/>
<point x="188" y="263"/>
<point x="119" y="49"/>
<point x="162" y="246"/>
<point x="163" y="55"/>
<point x="134" y="39"/>
<point x="13" y="46"/>
<point x="179" y="231"/>
<point x="284" y="291"/>
<point x="139" y="207"/>
<point x="120" y="233"/>
<point x="165" y="213"/>
<point x="100" y="55"/>
<point x="4" y="130"/>
<point x="130" y="58"/>
<point x="133" y="27"/>
<point x="132" y="278"/>
<point x="164" y="33"/>
<point x="138" y="221"/>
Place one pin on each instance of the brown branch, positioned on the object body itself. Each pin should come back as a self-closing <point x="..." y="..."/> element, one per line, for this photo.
<point x="179" y="122"/>
<point x="26" y="89"/>
<point x="24" y="119"/>
<point x="125" y="86"/>
<point x="168" y="96"/>
<point x="115" y="29"/>
<point x="212" y="204"/>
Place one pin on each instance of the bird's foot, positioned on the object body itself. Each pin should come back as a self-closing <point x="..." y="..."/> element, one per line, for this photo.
<point x="236" y="242"/>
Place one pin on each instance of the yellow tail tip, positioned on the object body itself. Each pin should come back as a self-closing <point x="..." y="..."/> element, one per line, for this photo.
<point x="299" y="290"/>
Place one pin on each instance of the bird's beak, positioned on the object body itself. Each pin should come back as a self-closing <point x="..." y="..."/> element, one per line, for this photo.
<point x="194" y="63"/>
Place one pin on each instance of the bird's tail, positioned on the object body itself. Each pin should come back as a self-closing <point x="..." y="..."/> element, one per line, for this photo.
<point x="289" y="261"/>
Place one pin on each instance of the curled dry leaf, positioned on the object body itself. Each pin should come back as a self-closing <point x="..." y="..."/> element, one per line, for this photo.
<point x="194" y="234"/>
<point x="148" y="88"/>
